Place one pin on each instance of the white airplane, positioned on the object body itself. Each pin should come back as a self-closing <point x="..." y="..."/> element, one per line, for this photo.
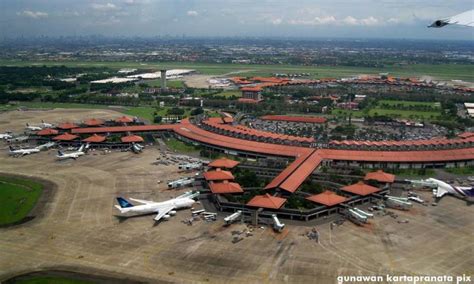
<point x="23" y="152"/>
<point x="33" y="128"/>
<point x="46" y="125"/>
<point x="46" y="146"/>
<point x="463" y="19"/>
<point x="72" y="155"/>
<point x="164" y="209"/>
<point x="444" y="188"/>
<point x="5" y="136"/>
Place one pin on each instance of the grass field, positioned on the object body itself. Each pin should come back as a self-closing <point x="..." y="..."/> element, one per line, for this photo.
<point x="18" y="197"/>
<point x="444" y="71"/>
<point x="403" y="112"/>
<point x="179" y="146"/>
<point x="461" y="171"/>
<point x="51" y="280"/>
<point x="409" y="103"/>
<point x="410" y="114"/>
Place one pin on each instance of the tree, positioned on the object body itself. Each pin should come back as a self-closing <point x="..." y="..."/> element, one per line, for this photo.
<point x="157" y="119"/>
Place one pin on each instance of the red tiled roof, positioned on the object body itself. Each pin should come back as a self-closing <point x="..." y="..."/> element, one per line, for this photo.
<point x="327" y="198"/>
<point x="116" y="129"/>
<point x="131" y="139"/>
<point x="95" y="139"/>
<point x="251" y="89"/>
<point x="305" y="119"/>
<point x="218" y="175"/>
<point x="399" y="156"/>
<point x="215" y="120"/>
<point x="47" y="132"/>
<point x="67" y="126"/>
<point x="466" y="135"/>
<point x="294" y="181"/>
<point x="225" y="187"/>
<point x="65" y="137"/>
<point x="360" y="188"/>
<point x="228" y="119"/>
<point x="224" y="163"/>
<point x="124" y="119"/>
<point x="380" y="176"/>
<point x="93" y="122"/>
<point x="267" y="201"/>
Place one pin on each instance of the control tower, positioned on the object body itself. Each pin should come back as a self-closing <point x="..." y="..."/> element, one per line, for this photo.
<point x="163" y="79"/>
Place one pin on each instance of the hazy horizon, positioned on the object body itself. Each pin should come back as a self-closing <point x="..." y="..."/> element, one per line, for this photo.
<point x="338" y="19"/>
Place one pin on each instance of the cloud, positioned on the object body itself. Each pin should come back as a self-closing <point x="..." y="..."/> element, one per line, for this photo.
<point x="33" y="14"/>
<point x="369" y="21"/>
<point x="192" y="13"/>
<point x="277" y="21"/>
<point x="105" y="7"/>
<point x="315" y="21"/>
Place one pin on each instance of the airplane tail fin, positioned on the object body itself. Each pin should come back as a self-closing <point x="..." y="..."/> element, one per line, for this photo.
<point x="81" y="149"/>
<point x="60" y="153"/>
<point x="11" y="148"/>
<point x="124" y="203"/>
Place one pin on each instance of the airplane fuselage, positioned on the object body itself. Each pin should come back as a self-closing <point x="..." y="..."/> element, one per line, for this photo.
<point x="155" y="207"/>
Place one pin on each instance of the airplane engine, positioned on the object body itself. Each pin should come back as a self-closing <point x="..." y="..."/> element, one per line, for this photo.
<point x="166" y="217"/>
<point x="172" y="213"/>
<point x="439" y="24"/>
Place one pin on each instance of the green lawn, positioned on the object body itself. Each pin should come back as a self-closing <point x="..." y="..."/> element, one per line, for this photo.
<point x="52" y="280"/>
<point x="409" y="103"/>
<point x="461" y="171"/>
<point x="442" y="71"/>
<point x="410" y="114"/>
<point x="345" y="112"/>
<point x="179" y="146"/>
<point x="17" y="196"/>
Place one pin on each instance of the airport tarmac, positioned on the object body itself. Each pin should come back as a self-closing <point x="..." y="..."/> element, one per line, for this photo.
<point x="78" y="232"/>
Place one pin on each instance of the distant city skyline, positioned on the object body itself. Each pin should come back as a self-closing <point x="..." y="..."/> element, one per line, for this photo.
<point x="232" y="18"/>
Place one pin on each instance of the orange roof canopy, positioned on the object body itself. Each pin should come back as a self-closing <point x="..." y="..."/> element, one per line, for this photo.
<point x="224" y="163"/>
<point x="225" y="187"/>
<point x="267" y="201"/>
<point x="132" y="139"/>
<point x="65" y="137"/>
<point x="360" y="188"/>
<point x="380" y="176"/>
<point x="327" y="198"/>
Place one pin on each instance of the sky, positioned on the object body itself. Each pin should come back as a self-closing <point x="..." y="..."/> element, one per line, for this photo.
<point x="227" y="18"/>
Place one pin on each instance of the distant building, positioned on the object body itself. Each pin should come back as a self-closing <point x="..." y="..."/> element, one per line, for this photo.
<point x="253" y="93"/>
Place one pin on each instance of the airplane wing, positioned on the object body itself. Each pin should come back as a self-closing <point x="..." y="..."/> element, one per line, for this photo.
<point x="463" y="19"/>
<point x="142" y="201"/>
<point x="163" y="211"/>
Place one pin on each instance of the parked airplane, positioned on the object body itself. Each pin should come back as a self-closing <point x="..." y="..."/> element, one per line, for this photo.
<point x="22" y="152"/>
<point x="446" y="188"/>
<point x="463" y="19"/>
<point x="6" y="135"/>
<point x="46" y="146"/>
<point x="72" y="155"/>
<point x="33" y="128"/>
<point x="164" y="209"/>
<point x="46" y="125"/>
